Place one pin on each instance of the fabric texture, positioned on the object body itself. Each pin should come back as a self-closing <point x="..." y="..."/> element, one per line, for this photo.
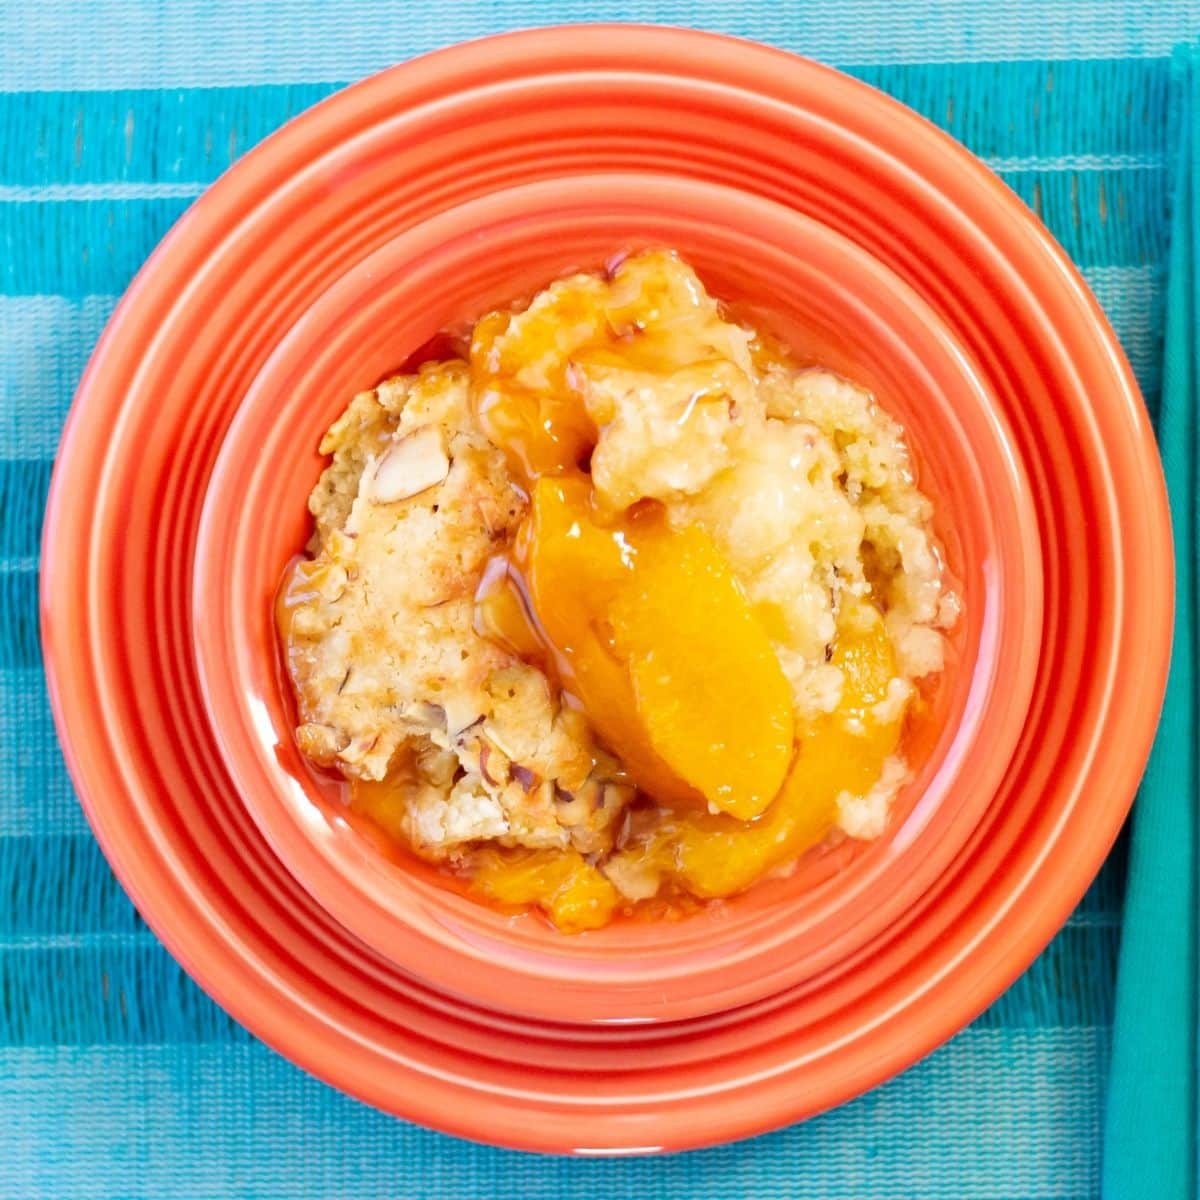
<point x="118" y="1077"/>
<point x="1153" y="1084"/>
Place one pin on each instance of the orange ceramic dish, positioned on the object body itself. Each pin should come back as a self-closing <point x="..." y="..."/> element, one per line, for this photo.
<point x="826" y="297"/>
<point x="380" y="162"/>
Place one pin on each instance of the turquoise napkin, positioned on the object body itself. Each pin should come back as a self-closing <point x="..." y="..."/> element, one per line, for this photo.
<point x="1150" y="1134"/>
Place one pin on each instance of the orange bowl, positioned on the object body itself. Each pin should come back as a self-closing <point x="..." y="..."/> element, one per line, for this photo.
<point x="211" y="307"/>
<point x="836" y="305"/>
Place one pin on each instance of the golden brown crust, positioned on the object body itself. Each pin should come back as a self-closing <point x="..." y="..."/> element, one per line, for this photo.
<point x="381" y="645"/>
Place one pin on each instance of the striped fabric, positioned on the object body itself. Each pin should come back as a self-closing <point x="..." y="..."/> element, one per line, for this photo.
<point x="118" y="1078"/>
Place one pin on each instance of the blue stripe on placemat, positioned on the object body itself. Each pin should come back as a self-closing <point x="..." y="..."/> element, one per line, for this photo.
<point x="118" y="1078"/>
<point x="179" y="43"/>
<point x="220" y="1120"/>
<point x="1005" y="111"/>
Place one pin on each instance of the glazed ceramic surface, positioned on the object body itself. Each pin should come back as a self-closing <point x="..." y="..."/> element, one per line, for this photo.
<point x="837" y="306"/>
<point x="203" y="322"/>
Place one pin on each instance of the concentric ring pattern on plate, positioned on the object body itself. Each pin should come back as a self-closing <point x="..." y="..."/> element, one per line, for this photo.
<point x="226" y="285"/>
<point x="852" y="314"/>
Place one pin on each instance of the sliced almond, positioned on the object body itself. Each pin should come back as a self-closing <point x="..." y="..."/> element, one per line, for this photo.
<point x="321" y="743"/>
<point x="492" y="514"/>
<point x="528" y="780"/>
<point x="493" y="765"/>
<point x="436" y="765"/>
<point x="358" y="748"/>
<point x="331" y="582"/>
<point x="411" y="465"/>
<point x="632" y="876"/>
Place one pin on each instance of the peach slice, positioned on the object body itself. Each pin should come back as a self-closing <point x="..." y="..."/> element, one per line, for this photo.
<point x="573" y="893"/>
<point x="711" y="696"/>
<point x="573" y="569"/>
<point x="710" y="856"/>
<point x="653" y="635"/>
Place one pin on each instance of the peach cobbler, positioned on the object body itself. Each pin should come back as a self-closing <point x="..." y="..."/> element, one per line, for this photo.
<point x="625" y="607"/>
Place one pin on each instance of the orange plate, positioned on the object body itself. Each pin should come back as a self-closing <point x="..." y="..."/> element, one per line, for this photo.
<point x="835" y="303"/>
<point x="211" y="307"/>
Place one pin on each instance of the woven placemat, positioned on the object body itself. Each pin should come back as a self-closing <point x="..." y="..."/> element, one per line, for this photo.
<point x="118" y="1078"/>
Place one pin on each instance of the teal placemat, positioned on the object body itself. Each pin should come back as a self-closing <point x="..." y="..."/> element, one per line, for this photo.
<point x="118" y="1078"/>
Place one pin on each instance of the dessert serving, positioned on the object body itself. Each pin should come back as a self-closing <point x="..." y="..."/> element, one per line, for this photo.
<point x="618" y="606"/>
<point x="366" y="238"/>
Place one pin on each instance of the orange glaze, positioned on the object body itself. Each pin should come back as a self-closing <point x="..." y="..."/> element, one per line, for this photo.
<point x="529" y="386"/>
